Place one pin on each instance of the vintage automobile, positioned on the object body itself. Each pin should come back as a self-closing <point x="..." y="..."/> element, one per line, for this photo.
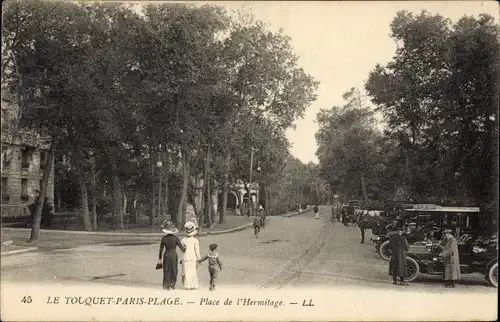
<point x="428" y="212"/>
<point x="417" y="234"/>
<point x="349" y="210"/>
<point x="475" y="257"/>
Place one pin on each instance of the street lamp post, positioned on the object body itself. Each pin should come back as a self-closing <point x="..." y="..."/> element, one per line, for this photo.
<point x="159" y="164"/>
<point x="250" y="181"/>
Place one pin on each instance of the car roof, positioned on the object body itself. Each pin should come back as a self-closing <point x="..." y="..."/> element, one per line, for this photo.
<point x="436" y="208"/>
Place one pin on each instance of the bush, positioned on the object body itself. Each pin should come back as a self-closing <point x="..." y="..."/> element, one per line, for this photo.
<point x="47" y="212"/>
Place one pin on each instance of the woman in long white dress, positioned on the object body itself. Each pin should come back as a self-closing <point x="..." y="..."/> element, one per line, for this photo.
<point x="191" y="257"/>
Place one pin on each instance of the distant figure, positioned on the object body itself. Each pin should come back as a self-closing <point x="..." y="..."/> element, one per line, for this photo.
<point x="316" y="211"/>
<point x="214" y="265"/>
<point x="262" y="215"/>
<point x="256" y="226"/>
<point x="397" y="265"/>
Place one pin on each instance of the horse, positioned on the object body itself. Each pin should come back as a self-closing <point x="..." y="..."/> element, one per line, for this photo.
<point x="376" y="223"/>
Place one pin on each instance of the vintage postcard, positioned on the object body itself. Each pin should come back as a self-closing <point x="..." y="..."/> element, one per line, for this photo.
<point x="249" y="161"/>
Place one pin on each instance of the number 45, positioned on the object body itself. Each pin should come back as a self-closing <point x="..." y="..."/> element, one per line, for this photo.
<point x="26" y="299"/>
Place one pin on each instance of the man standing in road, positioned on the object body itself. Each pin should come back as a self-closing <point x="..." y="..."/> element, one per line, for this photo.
<point x="316" y="211"/>
<point x="397" y="265"/>
<point x="451" y="259"/>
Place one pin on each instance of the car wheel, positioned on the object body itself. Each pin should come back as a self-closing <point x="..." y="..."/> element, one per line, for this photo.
<point x="493" y="274"/>
<point x="384" y="251"/>
<point x="412" y="269"/>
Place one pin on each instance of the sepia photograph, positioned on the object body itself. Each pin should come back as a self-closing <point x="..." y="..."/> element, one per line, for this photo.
<point x="249" y="160"/>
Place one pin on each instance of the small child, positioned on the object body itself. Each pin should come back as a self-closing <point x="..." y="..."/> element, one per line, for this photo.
<point x="214" y="265"/>
<point x="256" y="226"/>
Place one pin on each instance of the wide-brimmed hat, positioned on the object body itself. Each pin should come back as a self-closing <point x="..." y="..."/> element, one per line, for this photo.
<point x="190" y="228"/>
<point x="169" y="228"/>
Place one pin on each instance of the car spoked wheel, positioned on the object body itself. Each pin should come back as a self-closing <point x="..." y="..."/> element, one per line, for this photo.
<point x="493" y="275"/>
<point x="412" y="269"/>
<point x="384" y="251"/>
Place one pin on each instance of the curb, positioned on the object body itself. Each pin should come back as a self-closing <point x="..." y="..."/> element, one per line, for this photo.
<point x="239" y="228"/>
<point x="296" y="213"/>
<point x="19" y="251"/>
<point x="105" y="233"/>
<point x="8" y="242"/>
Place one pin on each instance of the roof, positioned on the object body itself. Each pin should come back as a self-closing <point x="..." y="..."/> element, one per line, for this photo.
<point x="436" y="208"/>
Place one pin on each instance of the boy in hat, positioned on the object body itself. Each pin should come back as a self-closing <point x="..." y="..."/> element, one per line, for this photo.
<point x="214" y="265"/>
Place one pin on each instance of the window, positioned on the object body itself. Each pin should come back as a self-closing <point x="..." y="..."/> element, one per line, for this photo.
<point x="5" y="190"/>
<point x="6" y="157"/>
<point x="43" y="156"/>
<point x="24" y="190"/>
<point x="26" y="157"/>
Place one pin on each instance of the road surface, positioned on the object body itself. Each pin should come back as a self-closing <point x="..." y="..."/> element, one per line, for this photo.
<point x="290" y="252"/>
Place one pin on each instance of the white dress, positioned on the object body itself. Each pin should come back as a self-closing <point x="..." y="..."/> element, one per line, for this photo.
<point x="190" y="262"/>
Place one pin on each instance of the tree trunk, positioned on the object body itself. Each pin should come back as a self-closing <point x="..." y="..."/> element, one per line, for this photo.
<point x="181" y="209"/>
<point x="160" y="196"/>
<point x="135" y="214"/>
<point x="37" y="220"/>
<point x="117" y="196"/>
<point x="124" y="207"/>
<point x="206" y="182"/>
<point x="166" y="190"/>
<point x="268" y="199"/>
<point x="94" y="197"/>
<point x="59" y="200"/>
<point x="222" y="217"/>
<point x="153" y="192"/>
<point x="363" y="186"/>
<point x="85" y="202"/>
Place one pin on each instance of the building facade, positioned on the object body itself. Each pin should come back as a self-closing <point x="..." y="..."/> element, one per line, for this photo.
<point x="23" y="164"/>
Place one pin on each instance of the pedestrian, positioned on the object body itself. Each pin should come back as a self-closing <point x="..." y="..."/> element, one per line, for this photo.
<point x="451" y="259"/>
<point x="214" y="265"/>
<point x="397" y="265"/>
<point x="316" y="211"/>
<point x="262" y="215"/>
<point x="191" y="256"/>
<point x="256" y="226"/>
<point x="169" y="243"/>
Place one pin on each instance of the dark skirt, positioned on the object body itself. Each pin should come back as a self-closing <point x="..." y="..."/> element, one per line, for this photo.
<point x="170" y="270"/>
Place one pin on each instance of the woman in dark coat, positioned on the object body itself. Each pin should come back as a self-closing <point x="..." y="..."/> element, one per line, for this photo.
<point x="397" y="266"/>
<point x="169" y="243"/>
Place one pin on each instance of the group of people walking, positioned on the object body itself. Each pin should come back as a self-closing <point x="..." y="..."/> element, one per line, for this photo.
<point x="191" y="259"/>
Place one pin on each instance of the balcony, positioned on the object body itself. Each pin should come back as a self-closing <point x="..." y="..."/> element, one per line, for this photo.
<point x="5" y="198"/>
<point x="25" y="165"/>
<point x="25" y="198"/>
<point x="6" y="164"/>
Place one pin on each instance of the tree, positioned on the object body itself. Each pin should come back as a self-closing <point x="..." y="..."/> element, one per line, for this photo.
<point x="436" y="96"/>
<point x="348" y="147"/>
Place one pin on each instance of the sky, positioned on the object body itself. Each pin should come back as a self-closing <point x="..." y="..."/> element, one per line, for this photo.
<point x="339" y="43"/>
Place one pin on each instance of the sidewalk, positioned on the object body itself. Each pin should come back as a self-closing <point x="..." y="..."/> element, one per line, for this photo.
<point x="63" y="239"/>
